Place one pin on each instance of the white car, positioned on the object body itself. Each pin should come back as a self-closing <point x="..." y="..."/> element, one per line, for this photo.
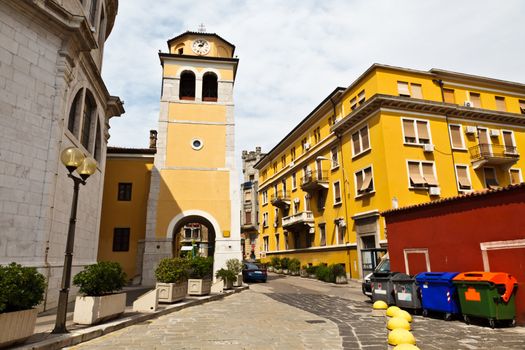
<point x="383" y="266"/>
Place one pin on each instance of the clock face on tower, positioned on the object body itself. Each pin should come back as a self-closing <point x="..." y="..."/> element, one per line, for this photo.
<point x="200" y="47"/>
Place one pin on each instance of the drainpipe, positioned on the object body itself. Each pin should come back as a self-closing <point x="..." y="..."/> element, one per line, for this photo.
<point x="439" y="82"/>
<point x="340" y="139"/>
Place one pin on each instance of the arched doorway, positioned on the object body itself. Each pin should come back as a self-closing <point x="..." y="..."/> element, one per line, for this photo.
<point x="193" y="235"/>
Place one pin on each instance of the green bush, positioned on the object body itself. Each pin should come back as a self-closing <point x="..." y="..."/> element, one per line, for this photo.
<point x="104" y="277"/>
<point x="21" y="287"/>
<point x="234" y="265"/>
<point x="172" y="270"/>
<point x="324" y="273"/>
<point x="226" y="275"/>
<point x="294" y="265"/>
<point x="276" y="262"/>
<point x="338" y="270"/>
<point x="284" y="263"/>
<point x="311" y="270"/>
<point x="201" y="267"/>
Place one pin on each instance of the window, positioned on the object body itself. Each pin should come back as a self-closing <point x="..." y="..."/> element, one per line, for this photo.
<point x="121" y="239"/>
<point x="264" y="174"/>
<point x="515" y="176"/>
<point x="276" y="217"/>
<point x="311" y="239"/>
<point x="283" y="184"/>
<point x="416" y="90"/>
<point x="448" y="95"/>
<point x="102" y="28"/>
<point x="286" y="247"/>
<point x="92" y="12"/>
<point x="335" y="158"/>
<point x="209" y="87"/>
<point x="306" y="202"/>
<point x="463" y="177"/>
<point x="74" y="113"/>
<point x="409" y="90"/>
<point x="353" y="103"/>
<point x="97" y="153"/>
<point x="500" y="104"/>
<point x="274" y="168"/>
<point x="340" y="233"/>
<point x="522" y="106"/>
<point x="87" y="120"/>
<point x="364" y="182"/>
<point x="247" y="196"/>
<point x="265" y="244"/>
<point x="475" y="99"/>
<point x="124" y="191"/>
<point x="265" y="197"/>
<point x="247" y="217"/>
<point x="275" y="190"/>
<point x="322" y="235"/>
<point x="187" y="86"/>
<point x="491" y="180"/>
<point x="508" y="140"/>
<point x="337" y="193"/>
<point x="292" y="154"/>
<point x="421" y="174"/>
<point x="283" y="161"/>
<point x="265" y="219"/>
<point x="277" y="241"/>
<point x="296" y="205"/>
<point x="304" y="144"/>
<point x="294" y="182"/>
<point x="317" y="135"/>
<point x="360" y="141"/>
<point x="402" y="89"/>
<point x="331" y="120"/>
<point x="416" y="131"/>
<point x="321" y="199"/>
<point x="456" y="136"/>
<point x="361" y="97"/>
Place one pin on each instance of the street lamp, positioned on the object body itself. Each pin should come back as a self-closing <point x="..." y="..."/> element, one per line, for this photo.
<point x="73" y="159"/>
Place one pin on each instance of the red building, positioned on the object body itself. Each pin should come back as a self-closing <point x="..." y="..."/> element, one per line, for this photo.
<point x="479" y="231"/>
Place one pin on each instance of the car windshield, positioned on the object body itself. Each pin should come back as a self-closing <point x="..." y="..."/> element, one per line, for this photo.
<point x="251" y="267"/>
<point x="384" y="266"/>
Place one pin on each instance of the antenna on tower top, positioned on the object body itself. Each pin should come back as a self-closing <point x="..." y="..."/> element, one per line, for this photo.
<point x="202" y="28"/>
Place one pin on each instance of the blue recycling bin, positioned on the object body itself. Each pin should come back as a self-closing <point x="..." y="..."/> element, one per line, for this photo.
<point x="438" y="293"/>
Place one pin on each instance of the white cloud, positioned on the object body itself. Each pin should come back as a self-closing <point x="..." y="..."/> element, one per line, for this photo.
<point x="294" y="53"/>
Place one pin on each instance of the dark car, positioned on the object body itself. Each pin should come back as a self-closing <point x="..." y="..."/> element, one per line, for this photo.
<point x="252" y="272"/>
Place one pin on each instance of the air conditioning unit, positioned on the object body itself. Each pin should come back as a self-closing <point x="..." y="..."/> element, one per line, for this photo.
<point x="428" y="147"/>
<point x="494" y="132"/>
<point x="434" y="191"/>
<point x="307" y="146"/>
<point x="292" y="163"/>
<point x="469" y="104"/>
<point x="470" y="129"/>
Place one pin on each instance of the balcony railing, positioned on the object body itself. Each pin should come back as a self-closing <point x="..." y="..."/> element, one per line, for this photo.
<point x="314" y="180"/>
<point x="299" y="219"/>
<point x="281" y="199"/>
<point x="488" y="154"/>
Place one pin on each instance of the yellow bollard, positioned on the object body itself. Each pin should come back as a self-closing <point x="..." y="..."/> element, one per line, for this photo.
<point x="397" y="322"/>
<point x="406" y="347"/>
<point x="403" y="314"/>
<point x="392" y="310"/>
<point x="379" y="308"/>
<point x="401" y="336"/>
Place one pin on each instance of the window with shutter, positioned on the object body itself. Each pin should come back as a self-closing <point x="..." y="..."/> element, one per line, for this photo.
<point x="515" y="176"/>
<point x="456" y="136"/>
<point x="475" y="99"/>
<point x="500" y="104"/>
<point x="402" y="89"/>
<point x="463" y="177"/>
<point x="416" y="91"/>
<point x="491" y="180"/>
<point x="448" y="94"/>
<point x="508" y="140"/>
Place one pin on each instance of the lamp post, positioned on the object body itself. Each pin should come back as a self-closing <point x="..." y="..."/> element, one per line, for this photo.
<point x="73" y="159"/>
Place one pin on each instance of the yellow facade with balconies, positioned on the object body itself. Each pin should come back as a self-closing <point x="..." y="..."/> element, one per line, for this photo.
<point x="394" y="137"/>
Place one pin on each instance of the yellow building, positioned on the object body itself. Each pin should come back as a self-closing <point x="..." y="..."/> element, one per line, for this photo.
<point x="394" y="137"/>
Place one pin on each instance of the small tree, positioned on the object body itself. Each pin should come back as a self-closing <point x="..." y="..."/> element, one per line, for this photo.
<point x="201" y="267"/>
<point x="226" y="275"/>
<point x="276" y="262"/>
<point x="234" y="265"/>
<point x="294" y="265"/>
<point x="285" y="262"/>
<point x="104" y="277"/>
<point x="172" y="270"/>
<point x="21" y="287"/>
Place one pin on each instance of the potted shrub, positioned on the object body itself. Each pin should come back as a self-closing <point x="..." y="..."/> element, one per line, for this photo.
<point x="324" y="273"/>
<point x="269" y="267"/>
<point x="235" y="266"/>
<point x="172" y="277"/>
<point x="21" y="289"/>
<point x="228" y="276"/>
<point x="201" y="271"/>
<point x="276" y="263"/>
<point x="284" y="265"/>
<point x="98" y="284"/>
<point x="304" y="272"/>
<point x="339" y="273"/>
<point x="310" y="270"/>
<point x="294" y="265"/>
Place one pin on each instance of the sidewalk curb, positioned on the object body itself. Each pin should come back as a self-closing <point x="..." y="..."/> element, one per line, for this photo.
<point x="80" y="336"/>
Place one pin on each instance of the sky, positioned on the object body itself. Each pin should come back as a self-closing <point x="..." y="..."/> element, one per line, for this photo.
<point x="293" y="53"/>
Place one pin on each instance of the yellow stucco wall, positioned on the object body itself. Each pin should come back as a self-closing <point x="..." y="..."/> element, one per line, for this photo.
<point x="130" y="214"/>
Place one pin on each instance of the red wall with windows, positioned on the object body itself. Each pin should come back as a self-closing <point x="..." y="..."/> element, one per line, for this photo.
<point x="452" y="231"/>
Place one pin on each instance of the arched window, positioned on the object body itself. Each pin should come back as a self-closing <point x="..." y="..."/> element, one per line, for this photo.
<point x="187" y="86"/>
<point x="209" y="87"/>
<point x="87" y="120"/>
<point x="97" y="153"/>
<point x="74" y="113"/>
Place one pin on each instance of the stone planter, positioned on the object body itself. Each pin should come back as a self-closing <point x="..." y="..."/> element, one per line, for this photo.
<point x="279" y="271"/>
<point x="238" y="281"/>
<point x="199" y="287"/>
<point x="91" y="310"/>
<point x="172" y="292"/>
<point x="312" y="275"/>
<point x="286" y="271"/>
<point x="228" y="284"/>
<point x="303" y="273"/>
<point x="269" y="268"/>
<point x="294" y="273"/>
<point x="17" y="326"/>
<point x="340" y="280"/>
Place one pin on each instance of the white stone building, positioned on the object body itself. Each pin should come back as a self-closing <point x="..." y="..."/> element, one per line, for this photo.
<point x="52" y="96"/>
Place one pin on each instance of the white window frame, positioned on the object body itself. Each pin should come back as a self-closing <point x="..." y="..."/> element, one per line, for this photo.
<point x="283" y="185"/>
<point x="340" y="192"/>
<point x="468" y="176"/>
<point x="307" y="202"/>
<point x="265" y="219"/>
<point x="495" y="176"/>
<point x="266" y="245"/>
<point x="358" y="132"/>
<point x="513" y="141"/>
<point x="462" y="148"/>
<point x="322" y="232"/>
<point x="334" y="151"/>
<point x="420" y="173"/>
<point x="519" y="172"/>
<point x="414" y="122"/>
<point x="294" y="181"/>
<point x="357" y="194"/>
<point x="265" y="197"/>
<point x="277" y="242"/>
<point x="276" y="217"/>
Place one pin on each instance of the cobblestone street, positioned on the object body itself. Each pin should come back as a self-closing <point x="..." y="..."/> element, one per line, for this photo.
<point x="296" y="313"/>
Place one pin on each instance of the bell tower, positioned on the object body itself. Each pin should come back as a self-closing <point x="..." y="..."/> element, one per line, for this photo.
<point x="194" y="179"/>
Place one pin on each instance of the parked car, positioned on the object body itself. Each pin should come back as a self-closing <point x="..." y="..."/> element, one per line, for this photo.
<point x="252" y="272"/>
<point x="383" y="266"/>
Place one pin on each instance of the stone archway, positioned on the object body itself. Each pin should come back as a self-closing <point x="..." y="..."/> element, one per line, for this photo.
<point x="193" y="233"/>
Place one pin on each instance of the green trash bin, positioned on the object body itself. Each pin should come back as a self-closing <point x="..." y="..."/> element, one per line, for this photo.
<point x="488" y="295"/>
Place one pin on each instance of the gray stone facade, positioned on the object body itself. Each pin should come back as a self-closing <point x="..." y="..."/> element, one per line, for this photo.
<point x="49" y="53"/>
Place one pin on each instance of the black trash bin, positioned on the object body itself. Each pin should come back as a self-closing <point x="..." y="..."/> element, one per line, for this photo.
<point x="382" y="287"/>
<point x="406" y="291"/>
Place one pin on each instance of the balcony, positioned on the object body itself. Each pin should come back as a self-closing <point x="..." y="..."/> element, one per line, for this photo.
<point x="298" y="221"/>
<point x="315" y="180"/>
<point x="281" y="200"/>
<point x="487" y="154"/>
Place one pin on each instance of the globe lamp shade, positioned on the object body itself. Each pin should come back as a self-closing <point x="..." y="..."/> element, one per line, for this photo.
<point x="72" y="158"/>
<point x="87" y="168"/>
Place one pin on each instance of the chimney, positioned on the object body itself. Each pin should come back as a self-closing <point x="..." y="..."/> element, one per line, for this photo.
<point x="153" y="139"/>
<point x="257" y="149"/>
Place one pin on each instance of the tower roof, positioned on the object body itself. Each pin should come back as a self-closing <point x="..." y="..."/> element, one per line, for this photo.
<point x="188" y="32"/>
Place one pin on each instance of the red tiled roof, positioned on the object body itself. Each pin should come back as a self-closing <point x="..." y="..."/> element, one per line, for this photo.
<point x="465" y="196"/>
